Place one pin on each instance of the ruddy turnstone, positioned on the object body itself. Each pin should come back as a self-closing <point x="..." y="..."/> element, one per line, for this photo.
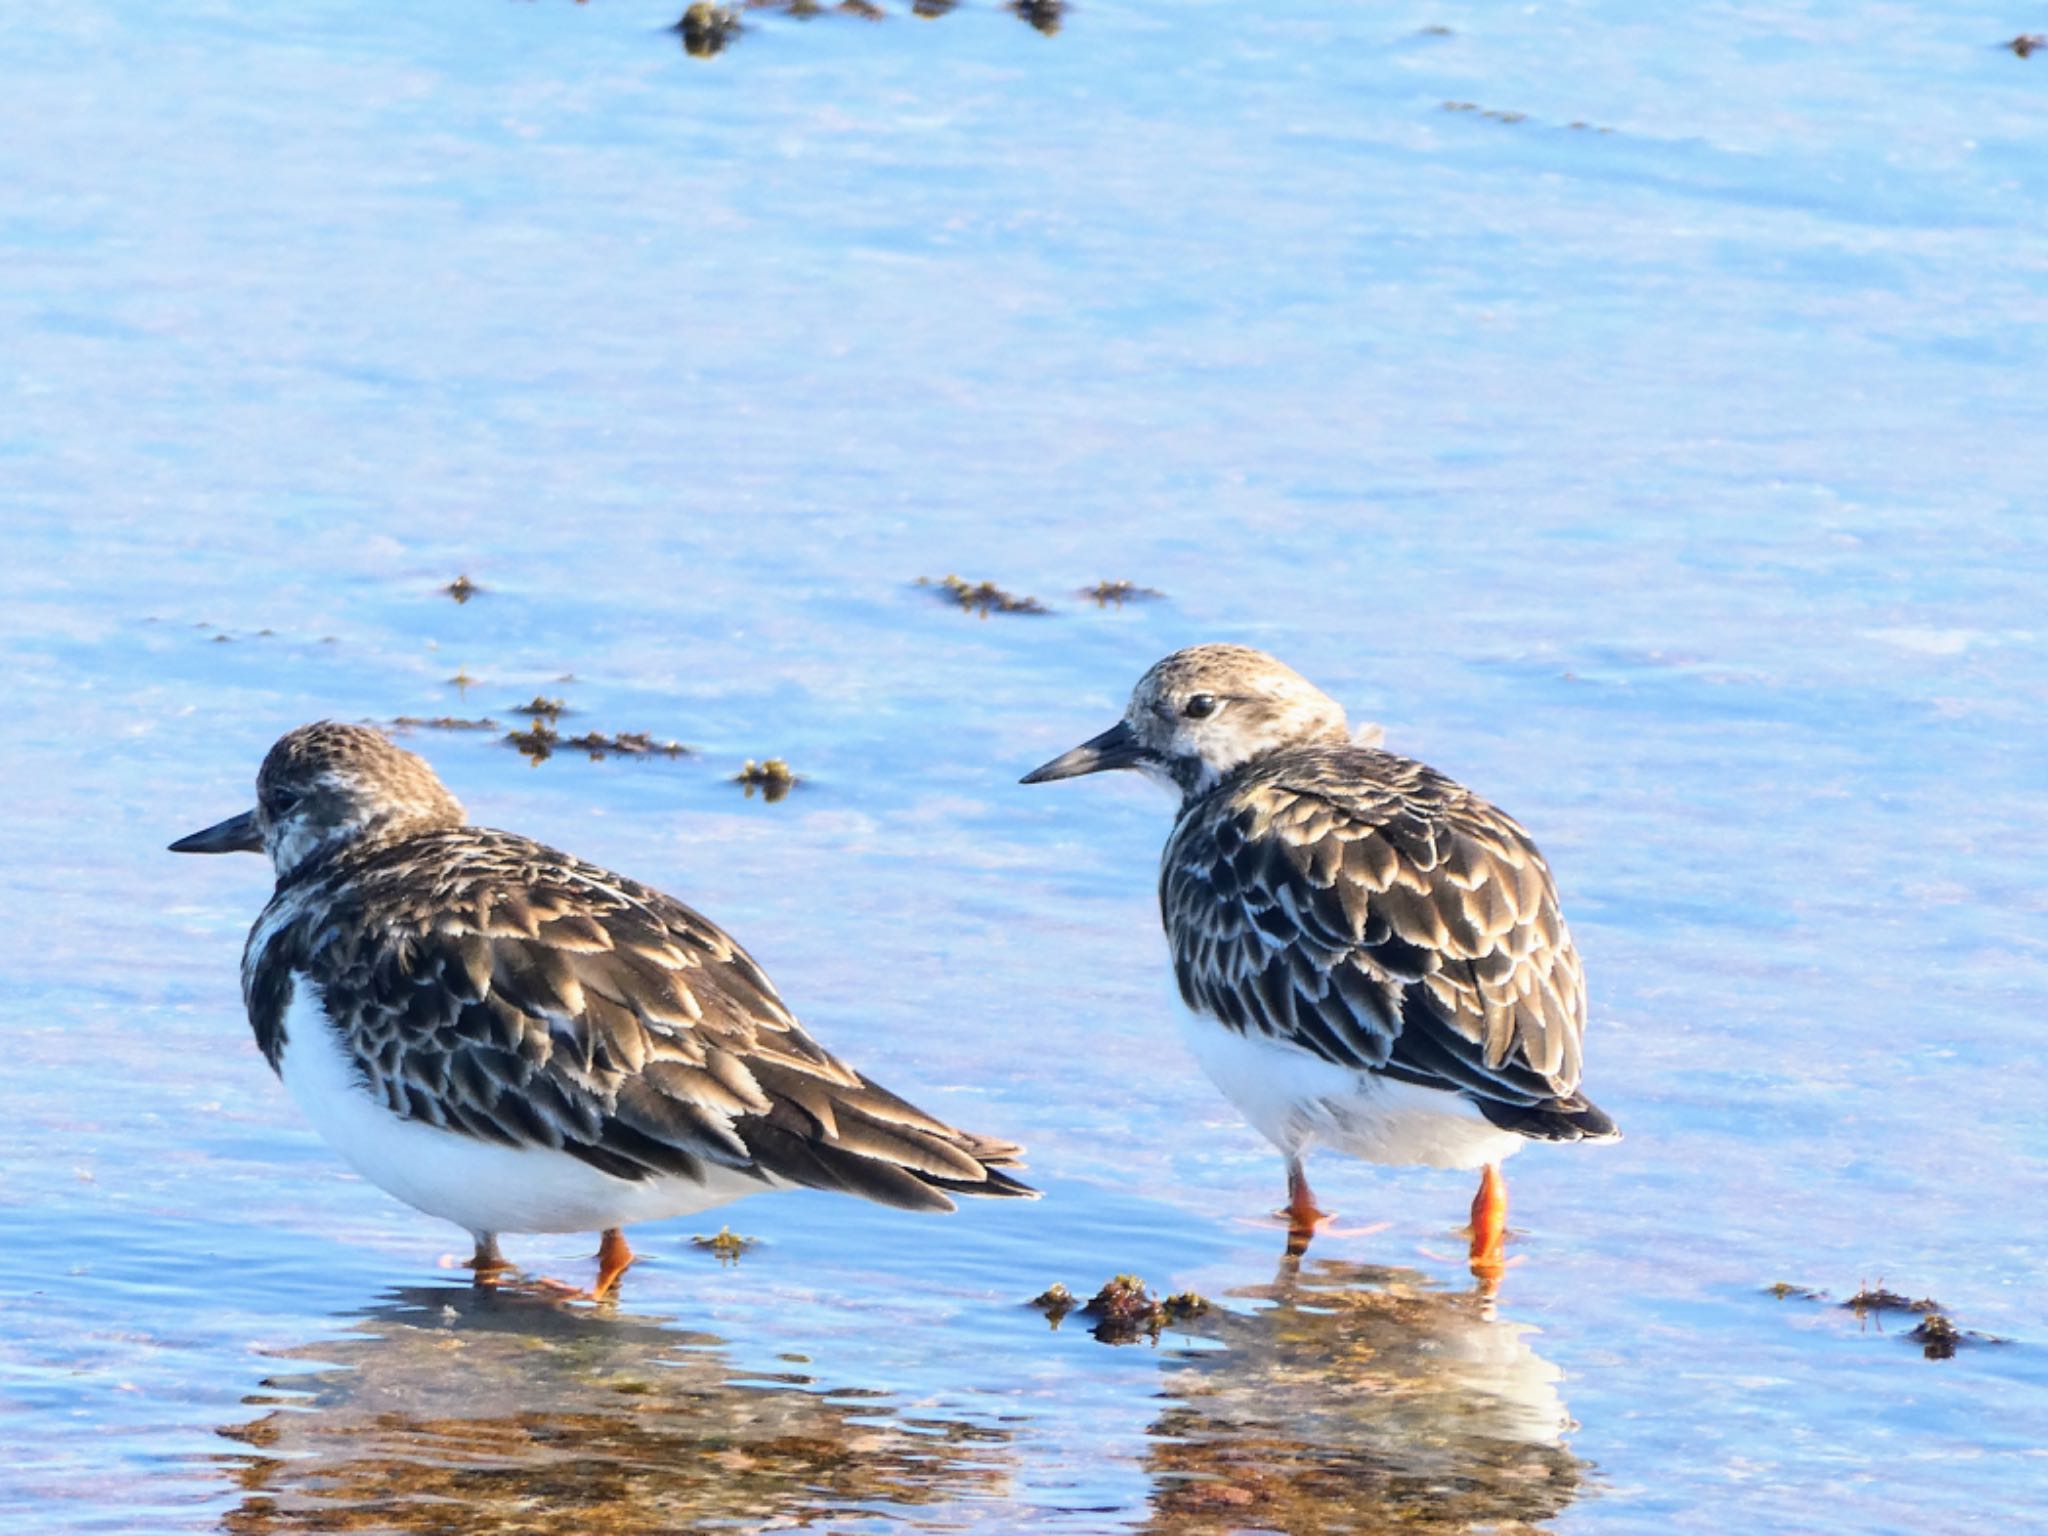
<point x="513" y="1040"/>
<point x="1376" y="953"/>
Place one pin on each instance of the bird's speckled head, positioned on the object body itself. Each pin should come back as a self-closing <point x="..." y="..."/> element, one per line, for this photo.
<point x="325" y="786"/>
<point x="1202" y="712"/>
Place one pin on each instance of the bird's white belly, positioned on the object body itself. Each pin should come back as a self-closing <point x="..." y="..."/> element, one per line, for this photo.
<point x="476" y="1184"/>
<point x="1297" y="1100"/>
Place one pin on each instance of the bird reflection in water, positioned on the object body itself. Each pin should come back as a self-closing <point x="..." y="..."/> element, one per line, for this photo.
<point x="454" y="1410"/>
<point x="1360" y="1399"/>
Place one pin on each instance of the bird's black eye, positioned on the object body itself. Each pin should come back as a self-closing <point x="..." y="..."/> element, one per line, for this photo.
<point x="1199" y="706"/>
<point x="279" y="802"/>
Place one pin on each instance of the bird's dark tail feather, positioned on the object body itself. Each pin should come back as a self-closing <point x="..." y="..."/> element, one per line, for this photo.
<point x="866" y="1141"/>
<point x="1572" y="1119"/>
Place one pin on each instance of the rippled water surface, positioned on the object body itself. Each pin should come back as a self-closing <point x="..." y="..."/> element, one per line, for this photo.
<point x="1636" y="411"/>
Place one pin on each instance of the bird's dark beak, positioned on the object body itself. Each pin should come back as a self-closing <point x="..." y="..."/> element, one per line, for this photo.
<point x="1117" y="747"/>
<point x="238" y="834"/>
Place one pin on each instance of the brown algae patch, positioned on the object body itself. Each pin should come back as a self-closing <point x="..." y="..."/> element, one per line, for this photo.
<point x="536" y="744"/>
<point x="541" y="741"/>
<point x="462" y="589"/>
<point x="626" y="744"/>
<point x="542" y="708"/>
<point x="1937" y="1337"/>
<point x="774" y="778"/>
<point x="2027" y="43"/>
<point x="1114" y="594"/>
<point x="1936" y="1333"/>
<point x="980" y="598"/>
<point x="1498" y="115"/>
<point x="1042" y="15"/>
<point x="444" y="723"/>
<point x="1875" y="1298"/>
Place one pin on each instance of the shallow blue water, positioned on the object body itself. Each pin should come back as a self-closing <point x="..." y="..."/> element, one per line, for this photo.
<point x="1674" y="479"/>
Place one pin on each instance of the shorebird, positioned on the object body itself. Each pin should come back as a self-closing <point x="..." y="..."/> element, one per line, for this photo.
<point x="515" y="1040"/>
<point x="1373" y="954"/>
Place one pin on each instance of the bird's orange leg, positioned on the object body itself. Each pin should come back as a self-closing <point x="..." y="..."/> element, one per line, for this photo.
<point x="487" y="1263"/>
<point x="613" y="1256"/>
<point x="1490" y="1225"/>
<point x="1302" y="1213"/>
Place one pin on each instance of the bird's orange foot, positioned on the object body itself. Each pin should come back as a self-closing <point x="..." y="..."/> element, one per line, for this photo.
<point x="487" y="1264"/>
<point x="1489" y="1230"/>
<point x="1302" y="1229"/>
<point x="613" y="1259"/>
<point x="558" y="1290"/>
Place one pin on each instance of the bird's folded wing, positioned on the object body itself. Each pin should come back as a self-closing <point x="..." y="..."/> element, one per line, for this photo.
<point x="598" y="1017"/>
<point x="1409" y="928"/>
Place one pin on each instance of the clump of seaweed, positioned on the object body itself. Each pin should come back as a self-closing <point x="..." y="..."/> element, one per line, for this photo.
<point x="866" y="10"/>
<point x="2028" y="43"/>
<point x="1499" y="115"/>
<point x="444" y="723"/>
<point x="462" y="589"/>
<point x="625" y="744"/>
<point x="1124" y="1311"/>
<point x="728" y="1245"/>
<point x="537" y="744"/>
<point x="773" y="777"/>
<point x="981" y="598"/>
<point x="707" y="28"/>
<point x="542" y="708"/>
<point x="1108" y="594"/>
<point x="462" y="682"/>
<point x="930" y="9"/>
<point x="1495" y="113"/>
<point x="1937" y="1337"/>
<point x="1876" y="1299"/>
<point x="1043" y="15"/>
<point x="541" y="740"/>
<point x="1936" y="1333"/>
<point x="1785" y="1290"/>
<point x="1055" y="1301"/>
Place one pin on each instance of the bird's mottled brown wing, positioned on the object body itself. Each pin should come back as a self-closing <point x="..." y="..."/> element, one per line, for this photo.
<point x="527" y="998"/>
<point x="1376" y="913"/>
